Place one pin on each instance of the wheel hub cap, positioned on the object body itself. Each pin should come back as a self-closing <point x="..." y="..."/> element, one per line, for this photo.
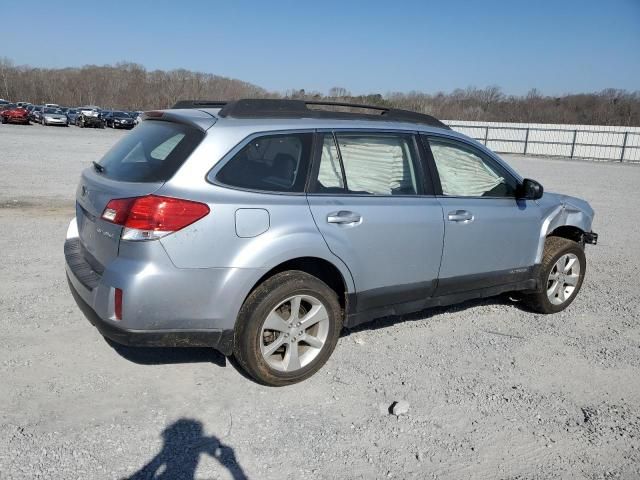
<point x="294" y="333"/>
<point x="563" y="279"/>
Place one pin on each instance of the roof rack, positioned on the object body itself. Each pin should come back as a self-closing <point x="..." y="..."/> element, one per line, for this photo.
<point x="279" y="108"/>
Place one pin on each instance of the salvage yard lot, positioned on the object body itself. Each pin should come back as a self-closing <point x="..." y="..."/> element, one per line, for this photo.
<point x="494" y="391"/>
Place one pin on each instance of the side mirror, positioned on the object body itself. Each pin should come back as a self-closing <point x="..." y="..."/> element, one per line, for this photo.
<point x="530" y="190"/>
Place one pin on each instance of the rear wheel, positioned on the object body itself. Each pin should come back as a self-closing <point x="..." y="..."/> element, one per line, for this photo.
<point x="561" y="275"/>
<point x="287" y="328"/>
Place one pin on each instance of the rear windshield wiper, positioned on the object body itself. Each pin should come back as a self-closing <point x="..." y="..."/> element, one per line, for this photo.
<point x="98" y="167"/>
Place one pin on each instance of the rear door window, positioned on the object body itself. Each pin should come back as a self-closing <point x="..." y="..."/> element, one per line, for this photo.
<point x="152" y="152"/>
<point x="369" y="164"/>
<point x="271" y="163"/>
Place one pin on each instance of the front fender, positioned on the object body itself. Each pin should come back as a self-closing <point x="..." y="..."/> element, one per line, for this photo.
<point x="561" y="210"/>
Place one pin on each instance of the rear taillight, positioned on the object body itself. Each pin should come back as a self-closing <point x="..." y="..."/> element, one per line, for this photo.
<point x="152" y="216"/>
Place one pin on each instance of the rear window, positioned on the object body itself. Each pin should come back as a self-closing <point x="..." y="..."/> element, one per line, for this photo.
<point x="272" y="163"/>
<point x="152" y="152"/>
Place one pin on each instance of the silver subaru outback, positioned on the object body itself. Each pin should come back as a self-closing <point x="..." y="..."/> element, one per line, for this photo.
<point x="261" y="228"/>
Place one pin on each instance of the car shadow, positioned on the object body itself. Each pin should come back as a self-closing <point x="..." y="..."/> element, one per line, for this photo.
<point x="168" y="355"/>
<point x="427" y="313"/>
<point x="175" y="355"/>
<point x="183" y="444"/>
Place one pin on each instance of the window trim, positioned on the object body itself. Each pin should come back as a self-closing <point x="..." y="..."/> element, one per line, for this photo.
<point x="431" y="163"/>
<point x="424" y="184"/>
<point x="212" y="175"/>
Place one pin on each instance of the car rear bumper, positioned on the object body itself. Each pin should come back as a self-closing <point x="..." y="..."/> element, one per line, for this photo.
<point x="221" y="340"/>
<point x="162" y="305"/>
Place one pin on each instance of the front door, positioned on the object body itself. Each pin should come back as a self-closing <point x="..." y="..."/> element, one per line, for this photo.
<point x="491" y="237"/>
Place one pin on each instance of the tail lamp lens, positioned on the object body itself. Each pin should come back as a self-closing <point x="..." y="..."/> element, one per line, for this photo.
<point x="153" y="216"/>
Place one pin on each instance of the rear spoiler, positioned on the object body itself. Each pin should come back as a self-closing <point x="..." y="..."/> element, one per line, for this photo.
<point x="194" y="118"/>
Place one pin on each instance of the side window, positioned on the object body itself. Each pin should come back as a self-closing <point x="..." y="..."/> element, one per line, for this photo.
<point x="465" y="172"/>
<point x="374" y="164"/>
<point x="273" y="163"/>
<point x="330" y="178"/>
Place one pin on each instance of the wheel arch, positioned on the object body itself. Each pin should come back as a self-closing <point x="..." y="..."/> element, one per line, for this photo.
<point x="320" y="268"/>
<point x="563" y="221"/>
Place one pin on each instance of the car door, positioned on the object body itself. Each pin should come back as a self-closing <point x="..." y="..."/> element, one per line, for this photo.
<point x="376" y="212"/>
<point x="491" y="237"/>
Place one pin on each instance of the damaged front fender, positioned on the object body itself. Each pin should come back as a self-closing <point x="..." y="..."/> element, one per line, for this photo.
<point x="562" y="211"/>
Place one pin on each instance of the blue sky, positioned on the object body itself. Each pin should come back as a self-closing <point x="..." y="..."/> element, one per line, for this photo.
<point x="559" y="46"/>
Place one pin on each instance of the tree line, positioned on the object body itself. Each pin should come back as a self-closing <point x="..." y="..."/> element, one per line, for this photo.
<point x="129" y="86"/>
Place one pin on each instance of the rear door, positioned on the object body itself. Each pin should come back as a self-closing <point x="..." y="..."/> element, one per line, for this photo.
<point x="137" y="165"/>
<point x="370" y="201"/>
<point x="491" y="236"/>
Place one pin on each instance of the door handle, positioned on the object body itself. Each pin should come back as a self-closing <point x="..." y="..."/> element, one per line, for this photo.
<point x="460" y="216"/>
<point x="343" y="217"/>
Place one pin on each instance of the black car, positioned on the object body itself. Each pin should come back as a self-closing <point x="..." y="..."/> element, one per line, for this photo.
<point x="118" y="119"/>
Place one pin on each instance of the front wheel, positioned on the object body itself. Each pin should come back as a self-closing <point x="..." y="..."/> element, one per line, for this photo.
<point x="287" y="328"/>
<point x="561" y="275"/>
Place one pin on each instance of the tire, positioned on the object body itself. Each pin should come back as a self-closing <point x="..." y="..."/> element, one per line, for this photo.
<point x="546" y="300"/>
<point x="276" y="296"/>
<point x="4" y="120"/>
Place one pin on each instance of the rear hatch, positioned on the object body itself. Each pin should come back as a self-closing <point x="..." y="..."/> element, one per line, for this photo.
<point x="138" y="165"/>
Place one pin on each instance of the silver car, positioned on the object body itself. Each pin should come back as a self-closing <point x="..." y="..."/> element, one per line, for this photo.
<point x="53" y="116"/>
<point x="261" y="228"/>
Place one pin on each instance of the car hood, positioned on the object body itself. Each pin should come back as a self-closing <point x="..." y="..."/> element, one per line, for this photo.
<point x="57" y="116"/>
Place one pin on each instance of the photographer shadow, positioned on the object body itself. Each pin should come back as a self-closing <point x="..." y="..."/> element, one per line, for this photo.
<point x="184" y="442"/>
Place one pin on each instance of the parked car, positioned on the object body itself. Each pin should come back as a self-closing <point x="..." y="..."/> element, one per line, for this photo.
<point x="12" y="113"/>
<point x="72" y="115"/>
<point x="35" y="115"/>
<point x="262" y="227"/>
<point x="118" y="119"/>
<point x="89" y="116"/>
<point x="53" y="116"/>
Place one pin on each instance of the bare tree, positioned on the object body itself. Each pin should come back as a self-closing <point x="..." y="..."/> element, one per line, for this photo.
<point x="129" y="86"/>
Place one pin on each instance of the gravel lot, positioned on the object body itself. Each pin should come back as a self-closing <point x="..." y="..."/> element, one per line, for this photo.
<point x="493" y="391"/>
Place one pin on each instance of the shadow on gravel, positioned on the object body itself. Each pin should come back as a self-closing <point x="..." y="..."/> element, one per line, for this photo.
<point x="168" y="355"/>
<point x="427" y="313"/>
<point x="184" y="442"/>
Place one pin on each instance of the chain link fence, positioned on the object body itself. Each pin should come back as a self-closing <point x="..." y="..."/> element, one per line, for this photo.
<point x="620" y="144"/>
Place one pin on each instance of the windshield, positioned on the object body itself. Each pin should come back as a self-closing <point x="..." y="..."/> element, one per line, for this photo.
<point x="51" y="110"/>
<point x="153" y="152"/>
<point x="120" y="114"/>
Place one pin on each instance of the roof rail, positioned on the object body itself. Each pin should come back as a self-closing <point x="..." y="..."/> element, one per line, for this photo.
<point x="200" y="104"/>
<point x="287" y="108"/>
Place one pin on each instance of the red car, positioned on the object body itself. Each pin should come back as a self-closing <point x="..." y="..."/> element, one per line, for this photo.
<point x="11" y="113"/>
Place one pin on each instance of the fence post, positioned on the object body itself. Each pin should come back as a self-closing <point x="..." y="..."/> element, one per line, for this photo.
<point x="573" y="143"/>
<point x="486" y="135"/>
<point x="526" y="141"/>
<point x="624" y="145"/>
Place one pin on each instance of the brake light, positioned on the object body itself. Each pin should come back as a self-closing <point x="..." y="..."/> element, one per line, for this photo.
<point x="152" y="216"/>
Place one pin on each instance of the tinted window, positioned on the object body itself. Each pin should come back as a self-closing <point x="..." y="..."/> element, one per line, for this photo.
<point x="273" y="163"/>
<point x="152" y="152"/>
<point x="466" y="172"/>
<point x="374" y="164"/>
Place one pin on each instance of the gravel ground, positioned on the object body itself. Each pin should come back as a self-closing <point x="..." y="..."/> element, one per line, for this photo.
<point x="492" y="390"/>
